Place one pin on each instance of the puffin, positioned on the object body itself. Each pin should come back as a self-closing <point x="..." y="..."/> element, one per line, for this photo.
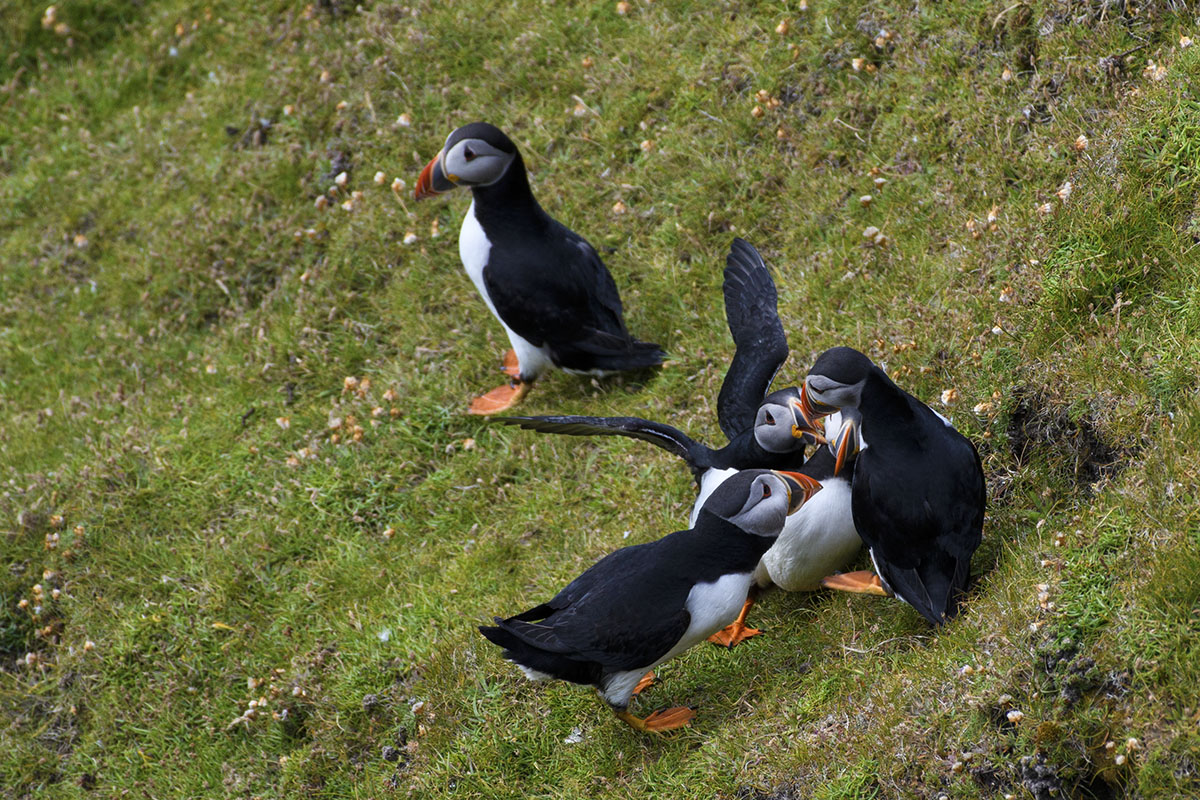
<point x="642" y="605"/>
<point x="918" y="493"/>
<point x="765" y="432"/>
<point x="542" y="281"/>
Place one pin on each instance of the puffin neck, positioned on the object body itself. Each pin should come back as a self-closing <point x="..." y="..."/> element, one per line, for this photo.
<point x="728" y="543"/>
<point x="508" y="198"/>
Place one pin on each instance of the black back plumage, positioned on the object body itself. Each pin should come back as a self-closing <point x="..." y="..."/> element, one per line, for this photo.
<point x="548" y="283"/>
<point x="629" y="609"/>
<point x="761" y="348"/>
<point x="918" y="498"/>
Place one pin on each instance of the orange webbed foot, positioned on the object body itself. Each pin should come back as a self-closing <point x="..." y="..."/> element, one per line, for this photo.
<point x="734" y="634"/>
<point x="509" y="364"/>
<point x="666" y="720"/>
<point x="737" y="631"/>
<point x="499" y="399"/>
<point x="645" y="683"/>
<point x="862" y="582"/>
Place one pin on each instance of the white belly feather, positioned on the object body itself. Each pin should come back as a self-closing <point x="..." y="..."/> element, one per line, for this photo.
<point x="817" y="540"/>
<point x="473" y="250"/>
<point x="712" y="606"/>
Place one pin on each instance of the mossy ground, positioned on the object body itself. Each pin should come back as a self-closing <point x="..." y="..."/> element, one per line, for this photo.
<point x="182" y="482"/>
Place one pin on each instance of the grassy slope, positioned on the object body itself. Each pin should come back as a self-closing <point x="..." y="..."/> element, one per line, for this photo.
<point x="159" y="286"/>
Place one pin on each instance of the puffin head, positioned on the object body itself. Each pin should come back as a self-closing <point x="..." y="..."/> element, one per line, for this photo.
<point x="835" y="382"/>
<point x="474" y="155"/>
<point x="780" y="425"/>
<point x="759" y="500"/>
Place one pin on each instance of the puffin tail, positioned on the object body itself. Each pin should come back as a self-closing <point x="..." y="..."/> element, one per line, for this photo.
<point x="607" y="352"/>
<point x="539" y="664"/>
<point x="635" y="355"/>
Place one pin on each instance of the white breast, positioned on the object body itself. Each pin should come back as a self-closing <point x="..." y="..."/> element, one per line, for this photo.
<point x="712" y="606"/>
<point x="816" y="541"/>
<point x="474" y="247"/>
<point x="833" y="426"/>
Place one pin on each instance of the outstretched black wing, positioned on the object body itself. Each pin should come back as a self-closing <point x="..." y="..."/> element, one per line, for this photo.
<point x="670" y="439"/>
<point x="750" y="308"/>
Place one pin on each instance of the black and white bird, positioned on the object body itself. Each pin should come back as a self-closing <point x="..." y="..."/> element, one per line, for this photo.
<point x="642" y="605"/>
<point x="765" y="431"/>
<point x="544" y="282"/>
<point x="918" y="493"/>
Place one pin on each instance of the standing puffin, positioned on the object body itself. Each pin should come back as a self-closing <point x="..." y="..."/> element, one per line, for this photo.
<point x="764" y="433"/>
<point x="544" y="282"/>
<point x="642" y="605"/>
<point x="918" y="493"/>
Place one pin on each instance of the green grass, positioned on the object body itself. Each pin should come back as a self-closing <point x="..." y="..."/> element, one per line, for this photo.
<point x="177" y="320"/>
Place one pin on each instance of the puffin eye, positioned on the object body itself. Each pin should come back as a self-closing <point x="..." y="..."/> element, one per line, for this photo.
<point x="469" y="154"/>
<point x="766" y="491"/>
<point x="770" y="419"/>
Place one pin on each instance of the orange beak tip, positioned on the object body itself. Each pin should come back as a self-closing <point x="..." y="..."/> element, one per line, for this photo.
<point x="424" y="187"/>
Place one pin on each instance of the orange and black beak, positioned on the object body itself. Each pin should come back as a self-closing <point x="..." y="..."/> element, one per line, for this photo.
<point x="809" y="430"/>
<point x="801" y="488"/>
<point x="811" y="410"/>
<point x="846" y="443"/>
<point x="433" y="180"/>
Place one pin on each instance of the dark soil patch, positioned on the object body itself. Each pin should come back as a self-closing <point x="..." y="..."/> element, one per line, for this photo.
<point x="1037" y="426"/>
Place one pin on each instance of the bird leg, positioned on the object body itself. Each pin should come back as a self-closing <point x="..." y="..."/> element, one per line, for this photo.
<point x="666" y="720"/>
<point x="509" y="364"/>
<point x="645" y="683"/>
<point x="500" y="399"/>
<point x="863" y="582"/>
<point x="736" y="632"/>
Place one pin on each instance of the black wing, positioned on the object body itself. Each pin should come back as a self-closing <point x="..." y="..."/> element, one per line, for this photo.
<point x="670" y="439"/>
<point x="622" y="613"/>
<point x="560" y="295"/>
<point x="751" y="309"/>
